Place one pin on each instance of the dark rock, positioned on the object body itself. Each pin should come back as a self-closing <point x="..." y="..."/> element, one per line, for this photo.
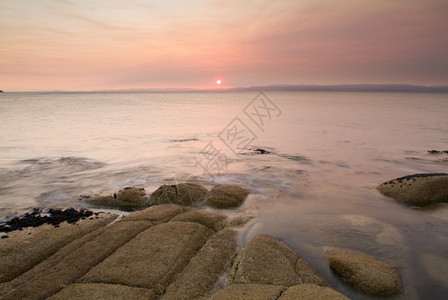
<point x="437" y="152"/>
<point x="35" y="218"/>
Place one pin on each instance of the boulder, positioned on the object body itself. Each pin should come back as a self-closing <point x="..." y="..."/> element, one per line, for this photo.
<point x="182" y="194"/>
<point x="226" y="196"/>
<point x="212" y="220"/>
<point x="153" y="258"/>
<point x="266" y="260"/>
<point x="365" y="273"/>
<point x="311" y="292"/>
<point x="249" y="291"/>
<point x="417" y="189"/>
<point x="128" y="198"/>
<point x="101" y="291"/>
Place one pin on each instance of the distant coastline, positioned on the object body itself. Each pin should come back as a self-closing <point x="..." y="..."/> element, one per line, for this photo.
<point x="384" y="88"/>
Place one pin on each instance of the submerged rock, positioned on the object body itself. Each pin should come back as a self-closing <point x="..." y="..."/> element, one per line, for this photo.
<point x="417" y="189"/>
<point x="182" y="194"/>
<point x="365" y="273"/>
<point x="226" y="196"/>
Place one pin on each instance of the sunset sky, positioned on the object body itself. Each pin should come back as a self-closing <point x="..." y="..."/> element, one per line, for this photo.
<point x="119" y="44"/>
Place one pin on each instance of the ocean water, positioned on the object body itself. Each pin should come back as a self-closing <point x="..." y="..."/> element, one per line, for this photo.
<point x="314" y="189"/>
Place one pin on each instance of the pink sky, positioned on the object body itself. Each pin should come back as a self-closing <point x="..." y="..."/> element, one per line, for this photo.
<point x="117" y="44"/>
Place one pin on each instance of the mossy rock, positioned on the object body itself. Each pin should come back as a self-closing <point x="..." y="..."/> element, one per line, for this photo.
<point x="226" y="196"/>
<point x="365" y="273"/>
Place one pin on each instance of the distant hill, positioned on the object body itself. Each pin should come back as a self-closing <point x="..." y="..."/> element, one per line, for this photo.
<point x="348" y="88"/>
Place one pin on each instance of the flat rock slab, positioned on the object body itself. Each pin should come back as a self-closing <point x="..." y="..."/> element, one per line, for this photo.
<point x="182" y="194"/>
<point x="226" y="196"/>
<point x="204" y="270"/>
<point x="101" y="291"/>
<point x="418" y="189"/>
<point x="26" y="248"/>
<point x="153" y="258"/>
<point x="365" y="273"/>
<point x="249" y="292"/>
<point x="72" y="261"/>
<point x="311" y="292"/>
<point x="266" y="260"/>
<point x="212" y="220"/>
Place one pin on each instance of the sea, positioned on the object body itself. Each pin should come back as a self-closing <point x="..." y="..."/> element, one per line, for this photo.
<point x="311" y="161"/>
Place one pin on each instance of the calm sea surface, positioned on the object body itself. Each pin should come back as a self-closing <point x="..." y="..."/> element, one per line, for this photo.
<point x="315" y="189"/>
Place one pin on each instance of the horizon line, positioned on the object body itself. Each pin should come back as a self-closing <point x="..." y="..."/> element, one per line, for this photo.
<point x="363" y="87"/>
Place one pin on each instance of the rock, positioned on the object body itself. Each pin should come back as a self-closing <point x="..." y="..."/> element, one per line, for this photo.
<point x="204" y="270"/>
<point x="72" y="261"/>
<point x="38" y="217"/>
<point x="163" y="249"/>
<point x="436" y="267"/>
<point x="366" y="274"/>
<point x="212" y="220"/>
<point x="226" y="196"/>
<point x="311" y="292"/>
<point x="265" y="260"/>
<point x="127" y="199"/>
<point x="249" y="291"/>
<point x="418" y="189"/>
<point x="131" y="196"/>
<point x="28" y="247"/>
<point x="157" y="213"/>
<point x="101" y="291"/>
<point x="437" y="152"/>
<point x="240" y="219"/>
<point x="182" y="194"/>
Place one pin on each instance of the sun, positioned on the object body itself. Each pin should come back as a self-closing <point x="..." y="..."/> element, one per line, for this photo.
<point x="218" y="82"/>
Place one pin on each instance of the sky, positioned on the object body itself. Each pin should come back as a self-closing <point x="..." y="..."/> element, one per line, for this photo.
<point x="127" y="44"/>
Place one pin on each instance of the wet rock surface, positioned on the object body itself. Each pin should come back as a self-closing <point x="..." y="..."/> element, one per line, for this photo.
<point x="417" y="189"/>
<point x="182" y="194"/>
<point x="177" y="251"/>
<point x="189" y="254"/>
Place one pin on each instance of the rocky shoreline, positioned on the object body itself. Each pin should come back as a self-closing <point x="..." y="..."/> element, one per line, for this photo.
<point x="181" y="245"/>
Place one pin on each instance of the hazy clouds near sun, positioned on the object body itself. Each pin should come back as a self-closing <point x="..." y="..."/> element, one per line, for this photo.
<point x="83" y="44"/>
